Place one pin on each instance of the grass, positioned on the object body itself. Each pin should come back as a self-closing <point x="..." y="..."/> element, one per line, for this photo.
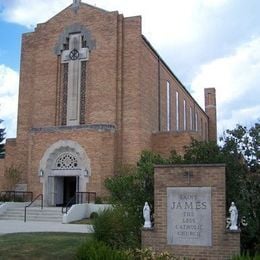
<point x="41" y="246"/>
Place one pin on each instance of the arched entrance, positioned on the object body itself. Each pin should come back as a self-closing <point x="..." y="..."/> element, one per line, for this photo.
<point x="64" y="169"/>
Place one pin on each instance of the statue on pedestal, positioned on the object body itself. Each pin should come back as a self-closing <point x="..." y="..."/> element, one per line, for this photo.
<point x="233" y="216"/>
<point x="147" y="216"/>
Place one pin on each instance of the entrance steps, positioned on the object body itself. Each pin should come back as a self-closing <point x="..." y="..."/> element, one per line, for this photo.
<point x="47" y="214"/>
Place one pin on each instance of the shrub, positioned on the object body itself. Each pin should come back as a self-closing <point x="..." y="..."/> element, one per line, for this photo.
<point x="93" y="215"/>
<point x="6" y="197"/>
<point x="98" y="250"/>
<point x="117" y="228"/>
<point x="132" y="186"/>
<point x="12" y="177"/>
<point x="98" y="200"/>
<point x="246" y="257"/>
<point x="149" y="254"/>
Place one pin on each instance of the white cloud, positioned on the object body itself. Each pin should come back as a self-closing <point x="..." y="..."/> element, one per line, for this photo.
<point x="9" y="80"/>
<point x="236" y="79"/>
<point x="244" y="116"/>
<point x="31" y="12"/>
<point x="186" y="33"/>
<point x="170" y="23"/>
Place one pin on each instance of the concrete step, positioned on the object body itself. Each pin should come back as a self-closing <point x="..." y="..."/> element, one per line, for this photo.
<point x="48" y="214"/>
<point x="58" y="220"/>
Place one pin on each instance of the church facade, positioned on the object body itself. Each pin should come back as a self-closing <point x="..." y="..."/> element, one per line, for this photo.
<point x="94" y="94"/>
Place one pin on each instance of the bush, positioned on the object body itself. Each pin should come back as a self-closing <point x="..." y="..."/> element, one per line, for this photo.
<point x="117" y="228"/>
<point x="132" y="186"/>
<point x="12" y="177"/>
<point x="149" y="254"/>
<point x="98" y="250"/>
<point x="93" y="215"/>
<point x="246" y="257"/>
<point x="6" y="197"/>
<point x="98" y="200"/>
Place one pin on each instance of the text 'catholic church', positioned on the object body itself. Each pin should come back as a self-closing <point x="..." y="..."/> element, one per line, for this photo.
<point x="94" y="94"/>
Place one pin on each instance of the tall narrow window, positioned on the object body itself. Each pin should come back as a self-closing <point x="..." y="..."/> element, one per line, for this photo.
<point x="74" y="59"/>
<point x="201" y="126"/>
<point x="73" y="47"/>
<point x="184" y="116"/>
<point x="191" y="121"/>
<point x="196" y="121"/>
<point x="206" y="132"/>
<point x="177" y="110"/>
<point x="168" y="106"/>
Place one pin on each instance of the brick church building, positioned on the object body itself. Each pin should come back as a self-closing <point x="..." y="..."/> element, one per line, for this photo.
<point x="94" y="94"/>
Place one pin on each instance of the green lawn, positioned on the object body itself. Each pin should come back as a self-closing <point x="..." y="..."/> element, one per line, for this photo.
<point x="41" y="245"/>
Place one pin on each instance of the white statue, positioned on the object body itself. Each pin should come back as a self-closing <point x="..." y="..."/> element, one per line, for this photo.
<point x="147" y="216"/>
<point x="233" y="216"/>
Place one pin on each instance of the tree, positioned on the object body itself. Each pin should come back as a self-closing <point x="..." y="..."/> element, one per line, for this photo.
<point x="244" y="143"/>
<point x="242" y="153"/>
<point x="132" y="186"/>
<point x="2" y="138"/>
<point x="12" y="177"/>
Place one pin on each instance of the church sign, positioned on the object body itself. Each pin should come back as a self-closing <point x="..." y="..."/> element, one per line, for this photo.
<point x="189" y="216"/>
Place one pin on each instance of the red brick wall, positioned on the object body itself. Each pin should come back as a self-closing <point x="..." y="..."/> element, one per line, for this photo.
<point x="154" y="77"/>
<point x="165" y="142"/>
<point x="121" y="89"/>
<point x="2" y="170"/>
<point x="211" y="111"/>
<point x="99" y="147"/>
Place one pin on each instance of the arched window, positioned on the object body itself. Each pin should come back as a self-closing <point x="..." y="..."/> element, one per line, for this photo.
<point x="67" y="161"/>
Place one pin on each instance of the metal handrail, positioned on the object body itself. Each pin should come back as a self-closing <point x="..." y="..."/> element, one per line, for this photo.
<point x="78" y="198"/>
<point x="68" y="205"/>
<point x="14" y="194"/>
<point x="25" y="208"/>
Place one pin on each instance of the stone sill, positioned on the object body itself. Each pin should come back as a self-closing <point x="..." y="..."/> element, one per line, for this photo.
<point x="228" y="231"/>
<point x="88" y="127"/>
<point x="147" y="229"/>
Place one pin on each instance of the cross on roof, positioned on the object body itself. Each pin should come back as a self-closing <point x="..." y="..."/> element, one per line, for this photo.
<point x="76" y="2"/>
<point x="75" y="5"/>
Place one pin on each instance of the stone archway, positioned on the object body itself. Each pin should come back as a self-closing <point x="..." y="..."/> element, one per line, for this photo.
<point x="63" y="161"/>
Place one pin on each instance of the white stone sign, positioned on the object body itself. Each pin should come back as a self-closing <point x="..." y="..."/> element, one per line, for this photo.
<point x="189" y="216"/>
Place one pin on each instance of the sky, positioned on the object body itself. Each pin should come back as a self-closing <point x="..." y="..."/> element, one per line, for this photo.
<point x="206" y="43"/>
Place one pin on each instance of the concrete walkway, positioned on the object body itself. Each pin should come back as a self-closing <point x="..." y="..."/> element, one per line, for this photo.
<point x="17" y="226"/>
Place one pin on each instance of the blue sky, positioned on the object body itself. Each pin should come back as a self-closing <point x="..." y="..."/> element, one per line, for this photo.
<point x="207" y="43"/>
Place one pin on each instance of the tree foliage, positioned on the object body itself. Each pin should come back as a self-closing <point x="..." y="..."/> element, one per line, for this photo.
<point x="132" y="186"/>
<point x="242" y="157"/>
<point x="117" y="227"/>
<point x="12" y="177"/>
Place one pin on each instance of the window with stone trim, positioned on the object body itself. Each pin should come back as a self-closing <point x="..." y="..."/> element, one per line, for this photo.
<point x="191" y="119"/>
<point x="73" y="47"/>
<point x="196" y="122"/>
<point x="168" y="106"/>
<point x="177" y="110"/>
<point x="184" y="116"/>
<point x="73" y="58"/>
